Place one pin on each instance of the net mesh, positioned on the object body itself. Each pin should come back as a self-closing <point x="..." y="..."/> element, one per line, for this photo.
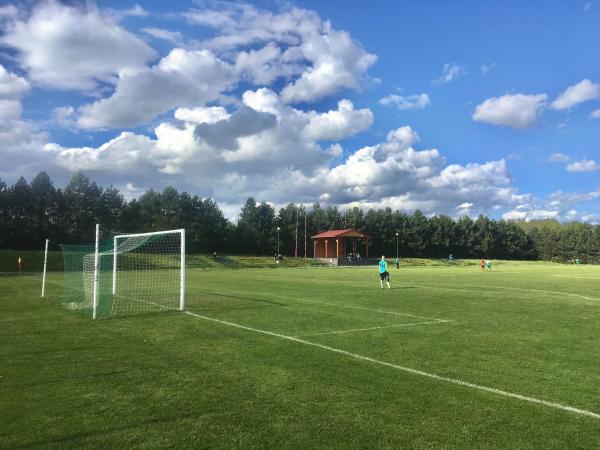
<point x="147" y="276"/>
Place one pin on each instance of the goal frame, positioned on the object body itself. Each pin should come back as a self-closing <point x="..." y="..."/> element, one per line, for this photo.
<point x="116" y="238"/>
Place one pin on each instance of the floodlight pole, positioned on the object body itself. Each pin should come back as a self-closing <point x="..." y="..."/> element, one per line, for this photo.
<point x="278" y="229"/>
<point x="305" y="234"/>
<point x="296" y="249"/>
<point x="397" y="260"/>
<point x="45" y="264"/>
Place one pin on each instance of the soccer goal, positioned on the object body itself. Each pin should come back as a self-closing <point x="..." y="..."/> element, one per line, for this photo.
<point x="128" y="274"/>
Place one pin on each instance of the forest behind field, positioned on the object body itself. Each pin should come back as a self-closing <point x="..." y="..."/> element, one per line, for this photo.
<point x="32" y="211"/>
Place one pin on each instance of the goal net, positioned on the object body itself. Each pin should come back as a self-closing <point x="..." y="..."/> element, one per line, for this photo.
<point x="126" y="275"/>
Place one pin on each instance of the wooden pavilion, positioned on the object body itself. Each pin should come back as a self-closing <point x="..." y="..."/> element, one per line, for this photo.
<point x="339" y="243"/>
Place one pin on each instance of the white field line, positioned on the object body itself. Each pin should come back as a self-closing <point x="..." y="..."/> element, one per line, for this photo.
<point x="483" y="287"/>
<point x="578" y="278"/>
<point x="375" y="328"/>
<point x="381" y="311"/>
<point x="554" y="405"/>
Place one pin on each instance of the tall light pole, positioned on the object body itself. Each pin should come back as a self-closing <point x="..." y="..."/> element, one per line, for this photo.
<point x="397" y="260"/>
<point x="296" y="248"/>
<point x="278" y="229"/>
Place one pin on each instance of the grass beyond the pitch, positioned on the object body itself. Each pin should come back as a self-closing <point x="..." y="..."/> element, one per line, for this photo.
<point x="182" y="381"/>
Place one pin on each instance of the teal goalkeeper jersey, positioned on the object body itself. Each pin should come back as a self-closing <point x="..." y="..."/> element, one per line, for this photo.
<point x="382" y="266"/>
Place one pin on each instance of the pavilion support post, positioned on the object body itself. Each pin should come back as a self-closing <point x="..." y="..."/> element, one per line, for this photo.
<point x="314" y="249"/>
<point x="326" y="252"/>
<point x="337" y="248"/>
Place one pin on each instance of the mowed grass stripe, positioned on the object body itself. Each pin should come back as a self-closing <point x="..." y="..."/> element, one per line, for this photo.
<point x="549" y="404"/>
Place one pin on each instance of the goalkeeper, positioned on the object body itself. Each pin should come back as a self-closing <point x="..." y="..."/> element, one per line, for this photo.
<point x="384" y="275"/>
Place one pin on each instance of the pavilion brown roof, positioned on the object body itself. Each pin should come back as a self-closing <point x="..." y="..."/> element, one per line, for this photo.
<point x="337" y="233"/>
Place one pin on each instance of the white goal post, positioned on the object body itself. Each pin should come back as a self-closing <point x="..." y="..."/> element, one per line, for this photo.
<point x="120" y="248"/>
<point x="45" y="267"/>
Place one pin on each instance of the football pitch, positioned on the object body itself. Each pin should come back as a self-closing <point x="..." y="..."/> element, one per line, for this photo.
<point x="314" y="357"/>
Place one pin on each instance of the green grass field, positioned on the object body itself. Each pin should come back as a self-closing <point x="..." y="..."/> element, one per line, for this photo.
<point x="313" y="357"/>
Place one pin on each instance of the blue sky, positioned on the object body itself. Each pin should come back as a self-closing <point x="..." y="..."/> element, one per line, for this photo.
<point x="487" y="107"/>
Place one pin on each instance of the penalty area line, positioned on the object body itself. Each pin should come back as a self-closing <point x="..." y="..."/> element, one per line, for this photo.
<point x="500" y="392"/>
<point x="397" y="325"/>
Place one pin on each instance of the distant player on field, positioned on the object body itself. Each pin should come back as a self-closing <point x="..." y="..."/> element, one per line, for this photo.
<point x="488" y="265"/>
<point x="482" y="264"/>
<point x="384" y="275"/>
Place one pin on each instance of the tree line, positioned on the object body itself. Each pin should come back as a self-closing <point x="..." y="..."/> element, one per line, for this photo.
<point x="31" y="212"/>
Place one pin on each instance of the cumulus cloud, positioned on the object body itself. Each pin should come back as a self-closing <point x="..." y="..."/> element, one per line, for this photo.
<point x="312" y="59"/>
<point x="338" y="124"/>
<point x="183" y="78"/>
<point x="585" y="165"/>
<point x="530" y="214"/>
<point x="406" y="102"/>
<point x="125" y="153"/>
<point x="583" y="91"/>
<point x="57" y="49"/>
<point x="297" y="43"/>
<point x="224" y="134"/>
<point x="595" y="114"/>
<point x="271" y="150"/>
<point x="20" y="141"/>
<point x="12" y="86"/>
<point x="337" y="63"/>
<point x="450" y="72"/>
<point x="559" y="205"/>
<point x="517" y="110"/>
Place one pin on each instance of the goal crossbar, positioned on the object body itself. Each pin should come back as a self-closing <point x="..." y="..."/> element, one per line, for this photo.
<point x="153" y="233"/>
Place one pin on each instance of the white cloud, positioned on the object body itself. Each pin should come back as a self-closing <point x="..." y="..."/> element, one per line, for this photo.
<point x="337" y="63"/>
<point x="338" y="124"/>
<point x="125" y="153"/>
<point x="64" y="116"/>
<point x="450" y="72"/>
<point x="67" y="47"/>
<point x="516" y="111"/>
<point x="583" y="91"/>
<point x="406" y="102"/>
<point x="12" y="86"/>
<point x="202" y="114"/>
<point x="120" y="14"/>
<point x="558" y="157"/>
<point x="10" y="109"/>
<point x="270" y="150"/>
<point x="595" y="114"/>
<point x="298" y="43"/>
<point x="585" y="165"/>
<point x="528" y="215"/>
<point x="181" y="79"/>
<point x="174" y="37"/>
